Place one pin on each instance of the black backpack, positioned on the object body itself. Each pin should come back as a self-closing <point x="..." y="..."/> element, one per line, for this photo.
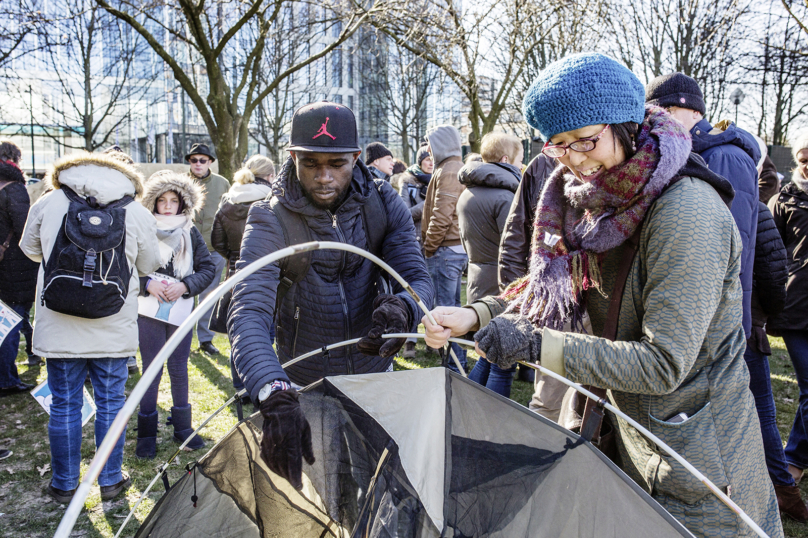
<point x="87" y="274"/>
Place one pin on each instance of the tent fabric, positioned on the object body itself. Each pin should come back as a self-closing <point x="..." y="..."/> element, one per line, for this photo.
<point x="421" y="454"/>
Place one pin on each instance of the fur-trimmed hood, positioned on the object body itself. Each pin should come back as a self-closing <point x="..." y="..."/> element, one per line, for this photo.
<point x="96" y="174"/>
<point x="192" y="193"/>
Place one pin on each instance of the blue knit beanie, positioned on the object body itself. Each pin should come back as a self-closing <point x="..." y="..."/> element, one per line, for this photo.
<point x="582" y="90"/>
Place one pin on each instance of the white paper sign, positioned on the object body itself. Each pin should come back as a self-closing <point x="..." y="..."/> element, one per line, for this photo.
<point x="8" y="320"/>
<point x="43" y="395"/>
<point x="173" y="313"/>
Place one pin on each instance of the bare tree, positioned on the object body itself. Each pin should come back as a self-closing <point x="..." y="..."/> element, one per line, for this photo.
<point x="696" y="37"/>
<point x="19" y="19"/>
<point x="93" y="70"/>
<point x="485" y="45"/>
<point x="288" y="43"/>
<point x="403" y="85"/>
<point x="775" y="68"/>
<point x="229" y="38"/>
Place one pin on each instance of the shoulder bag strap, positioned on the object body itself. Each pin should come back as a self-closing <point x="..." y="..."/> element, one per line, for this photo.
<point x="295" y="231"/>
<point x="593" y="410"/>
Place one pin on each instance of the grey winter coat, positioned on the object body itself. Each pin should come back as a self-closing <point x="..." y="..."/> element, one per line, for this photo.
<point x="334" y="300"/>
<point x="482" y="210"/>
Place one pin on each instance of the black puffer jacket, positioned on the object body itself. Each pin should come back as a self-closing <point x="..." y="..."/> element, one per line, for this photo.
<point x="770" y="275"/>
<point x="514" y="250"/>
<point x="17" y="272"/>
<point x="790" y="212"/>
<point x="229" y="222"/>
<point x="204" y="268"/>
<point x="482" y="210"/>
<point x="334" y="300"/>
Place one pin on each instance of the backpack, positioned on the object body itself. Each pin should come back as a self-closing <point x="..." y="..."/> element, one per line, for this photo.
<point x="87" y="274"/>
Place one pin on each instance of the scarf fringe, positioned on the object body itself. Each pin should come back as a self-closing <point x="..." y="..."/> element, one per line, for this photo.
<point x="552" y="300"/>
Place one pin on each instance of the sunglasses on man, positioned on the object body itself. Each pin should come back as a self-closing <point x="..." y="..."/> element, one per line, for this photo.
<point x="194" y="160"/>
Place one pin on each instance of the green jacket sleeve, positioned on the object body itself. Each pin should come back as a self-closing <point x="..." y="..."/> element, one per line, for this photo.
<point x="689" y="261"/>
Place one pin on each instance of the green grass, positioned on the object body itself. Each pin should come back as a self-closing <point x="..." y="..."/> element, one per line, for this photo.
<point x="28" y="512"/>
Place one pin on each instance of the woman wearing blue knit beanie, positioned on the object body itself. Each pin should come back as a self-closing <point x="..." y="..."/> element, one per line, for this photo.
<point x="631" y="199"/>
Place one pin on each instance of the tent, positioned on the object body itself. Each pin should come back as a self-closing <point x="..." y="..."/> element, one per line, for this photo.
<point x="420" y="453"/>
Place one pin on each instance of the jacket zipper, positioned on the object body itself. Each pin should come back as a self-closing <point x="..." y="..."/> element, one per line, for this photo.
<point x="294" y="341"/>
<point x="343" y="299"/>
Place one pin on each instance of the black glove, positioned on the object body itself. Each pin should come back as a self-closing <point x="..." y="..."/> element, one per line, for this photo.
<point x="509" y="338"/>
<point x="390" y="316"/>
<point x="287" y="436"/>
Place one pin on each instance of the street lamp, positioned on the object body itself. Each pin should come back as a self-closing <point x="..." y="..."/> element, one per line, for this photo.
<point x="736" y="97"/>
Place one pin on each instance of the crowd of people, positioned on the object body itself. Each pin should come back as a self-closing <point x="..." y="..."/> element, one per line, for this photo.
<point x="644" y="252"/>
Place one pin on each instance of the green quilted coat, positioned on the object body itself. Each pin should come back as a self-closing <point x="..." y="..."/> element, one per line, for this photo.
<point x="679" y="348"/>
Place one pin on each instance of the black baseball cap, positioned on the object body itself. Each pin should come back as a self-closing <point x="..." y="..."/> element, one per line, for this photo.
<point x="324" y="127"/>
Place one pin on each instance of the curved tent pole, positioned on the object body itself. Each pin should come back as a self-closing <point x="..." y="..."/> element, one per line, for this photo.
<point x="130" y="406"/>
<point x="647" y="433"/>
<point x="706" y="481"/>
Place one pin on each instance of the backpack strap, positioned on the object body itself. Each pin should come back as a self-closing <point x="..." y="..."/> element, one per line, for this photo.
<point x="374" y="214"/>
<point x="295" y="231"/>
<point x="592" y="417"/>
<point x="91" y="201"/>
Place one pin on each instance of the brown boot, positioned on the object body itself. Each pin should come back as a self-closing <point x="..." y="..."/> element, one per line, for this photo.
<point x="790" y="503"/>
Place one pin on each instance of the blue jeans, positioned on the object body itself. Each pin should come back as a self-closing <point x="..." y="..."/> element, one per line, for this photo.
<point x="66" y="381"/>
<point x="9" y="376"/>
<point x="493" y="377"/>
<point x="797" y="447"/>
<point x="760" y="384"/>
<point x="203" y="334"/>
<point x="446" y="269"/>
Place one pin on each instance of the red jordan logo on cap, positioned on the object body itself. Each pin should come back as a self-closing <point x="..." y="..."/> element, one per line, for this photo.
<point x="324" y="131"/>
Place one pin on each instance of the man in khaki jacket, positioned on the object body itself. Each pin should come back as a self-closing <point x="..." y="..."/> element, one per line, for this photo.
<point x="445" y="257"/>
<point x="200" y="158"/>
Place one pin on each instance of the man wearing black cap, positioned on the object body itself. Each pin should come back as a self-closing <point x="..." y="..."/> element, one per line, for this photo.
<point x="323" y="193"/>
<point x="380" y="160"/>
<point x="200" y="158"/>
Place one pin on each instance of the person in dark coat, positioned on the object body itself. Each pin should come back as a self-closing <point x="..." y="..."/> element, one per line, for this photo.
<point x="250" y="184"/>
<point x="188" y="269"/>
<point x="17" y="272"/>
<point x="481" y="212"/>
<point x="729" y="151"/>
<point x="768" y="299"/>
<point x="790" y="212"/>
<point x="413" y="184"/>
<point x="514" y="247"/>
<point x="339" y="298"/>
<point x="514" y="253"/>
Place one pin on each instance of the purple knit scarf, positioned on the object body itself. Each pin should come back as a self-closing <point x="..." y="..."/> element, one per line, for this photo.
<point x="577" y="222"/>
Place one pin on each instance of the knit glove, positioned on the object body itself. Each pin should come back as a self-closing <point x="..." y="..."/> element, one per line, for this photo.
<point x="390" y="315"/>
<point x="509" y="338"/>
<point x="287" y="436"/>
